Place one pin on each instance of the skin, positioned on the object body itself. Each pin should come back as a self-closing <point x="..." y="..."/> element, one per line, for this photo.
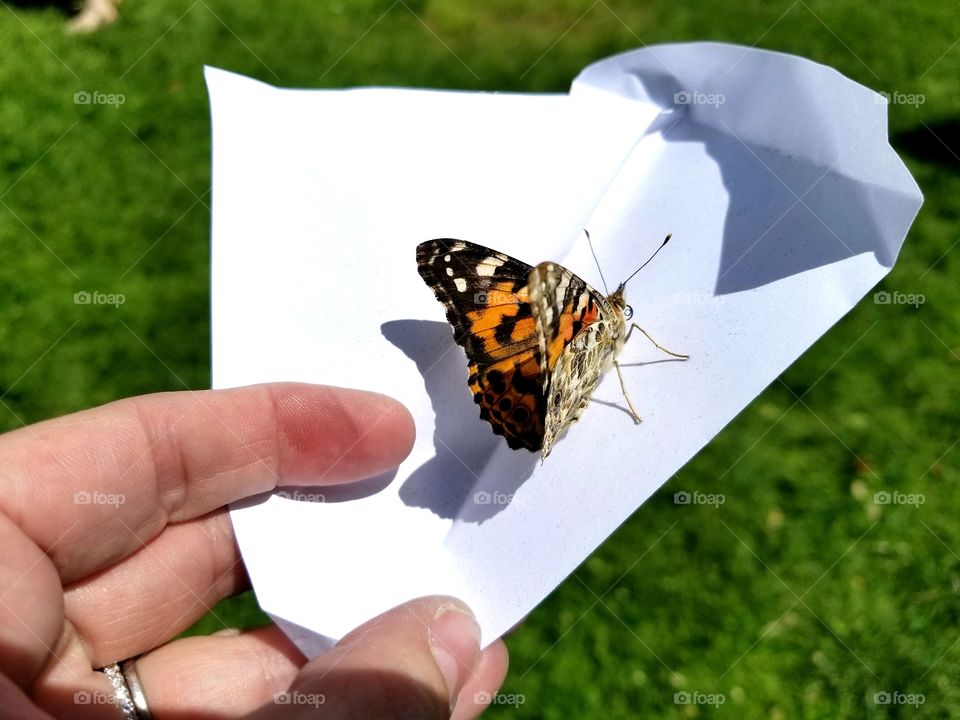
<point x="83" y="585"/>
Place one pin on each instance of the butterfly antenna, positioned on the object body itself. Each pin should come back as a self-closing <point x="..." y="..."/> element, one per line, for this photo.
<point x="665" y="241"/>
<point x="602" y="279"/>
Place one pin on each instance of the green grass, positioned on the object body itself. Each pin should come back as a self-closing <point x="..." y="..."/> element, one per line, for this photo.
<point x="799" y="597"/>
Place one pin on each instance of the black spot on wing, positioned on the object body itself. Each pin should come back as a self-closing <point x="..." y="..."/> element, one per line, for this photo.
<point x="504" y="332"/>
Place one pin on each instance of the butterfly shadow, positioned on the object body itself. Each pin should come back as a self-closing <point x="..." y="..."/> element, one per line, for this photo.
<point x="473" y="475"/>
<point x="770" y="195"/>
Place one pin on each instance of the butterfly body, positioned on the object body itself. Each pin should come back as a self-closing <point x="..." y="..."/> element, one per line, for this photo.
<point x="538" y="338"/>
<point x="581" y="342"/>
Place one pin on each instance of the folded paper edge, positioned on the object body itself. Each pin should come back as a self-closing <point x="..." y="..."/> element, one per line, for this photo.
<point x="655" y="60"/>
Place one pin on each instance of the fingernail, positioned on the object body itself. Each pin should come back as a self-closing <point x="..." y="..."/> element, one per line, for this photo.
<point x="455" y="644"/>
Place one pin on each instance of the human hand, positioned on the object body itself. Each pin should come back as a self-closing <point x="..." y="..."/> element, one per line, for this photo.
<point x="116" y="537"/>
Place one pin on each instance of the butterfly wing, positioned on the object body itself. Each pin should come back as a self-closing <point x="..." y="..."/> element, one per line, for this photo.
<point x="577" y="328"/>
<point x="485" y="296"/>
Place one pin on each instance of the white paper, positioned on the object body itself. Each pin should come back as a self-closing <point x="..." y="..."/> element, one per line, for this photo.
<point x="786" y="203"/>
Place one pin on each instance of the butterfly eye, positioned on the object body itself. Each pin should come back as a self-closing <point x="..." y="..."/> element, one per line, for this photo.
<point x="627" y="312"/>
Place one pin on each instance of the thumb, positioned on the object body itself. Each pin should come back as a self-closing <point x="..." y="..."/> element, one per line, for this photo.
<point x="411" y="662"/>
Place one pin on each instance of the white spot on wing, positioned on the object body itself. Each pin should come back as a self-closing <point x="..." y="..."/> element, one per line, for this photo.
<point x="461" y="284"/>
<point x="449" y="270"/>
<point x="489" y="266"/>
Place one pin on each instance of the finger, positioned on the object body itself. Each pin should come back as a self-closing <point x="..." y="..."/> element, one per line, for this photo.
<point x="225" y="675"/>
<point x="28" y="629"/>
<point x="384" y="669"/>
<point x="412" y="661"/>
<point x="481" y="687"/>
<point x="229" y="674"/>
<point x="92" y="487"/>
<point x="15" y="705"/>
<point x="158" y="591"/>
<point x="259" y="666"/>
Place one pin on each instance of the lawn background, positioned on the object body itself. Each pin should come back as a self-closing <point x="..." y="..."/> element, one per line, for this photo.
<point x="800" y="597"/>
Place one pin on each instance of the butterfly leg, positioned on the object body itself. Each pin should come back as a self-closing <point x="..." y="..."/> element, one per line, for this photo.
<point x="623" y="387"/>
<point x="659" y="346"/>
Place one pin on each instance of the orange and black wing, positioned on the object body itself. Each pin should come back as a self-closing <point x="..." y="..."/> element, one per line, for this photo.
<point x="485" y="295"/>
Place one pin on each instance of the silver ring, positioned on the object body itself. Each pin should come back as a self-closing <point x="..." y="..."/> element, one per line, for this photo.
<point x="129" y="670"/>
<point x="127" y="690"/>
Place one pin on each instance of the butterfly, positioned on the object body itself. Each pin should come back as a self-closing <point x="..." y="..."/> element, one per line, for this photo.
<point x="537" y="338"/>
